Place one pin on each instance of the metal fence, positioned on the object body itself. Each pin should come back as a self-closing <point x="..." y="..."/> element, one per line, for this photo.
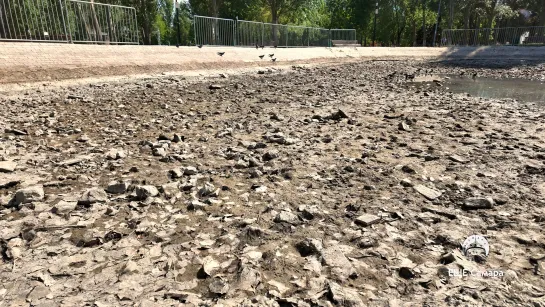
<point x="343" y="34"/>
<point x="67" y="21"/>
<point x="495" y="36"/>
<point x="214" y="31"/>
<point x="228" y="32"/>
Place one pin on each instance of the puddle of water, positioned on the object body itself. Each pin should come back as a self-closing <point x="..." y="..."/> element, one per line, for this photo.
<point x="519" y="89"/>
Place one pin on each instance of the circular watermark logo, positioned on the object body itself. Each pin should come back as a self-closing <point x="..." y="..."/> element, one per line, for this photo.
<point x="476" y="246"/>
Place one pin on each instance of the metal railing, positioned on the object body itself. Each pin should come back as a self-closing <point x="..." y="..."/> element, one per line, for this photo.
<point x="67" y="21"/>
<point x="214" y="31"/>
<point x="495" y="36"/>
<point x="343" y="34"/>
<point x="228" y="32"/>
<point x="101" y="23"/>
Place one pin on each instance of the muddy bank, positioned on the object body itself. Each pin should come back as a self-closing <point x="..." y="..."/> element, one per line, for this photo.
<point x="348" y="185"/>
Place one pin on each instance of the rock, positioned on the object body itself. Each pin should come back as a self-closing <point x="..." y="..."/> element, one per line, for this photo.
<point x="209" y="266"/>
<point x="196" y="205"/>
<point x="406" y="273"/>
<point x="208" y="190"/>
<point x="218" y="286"/>
<point x="410" y="169"/>
<point x="270" y="155"/>
<point x="83" y="138"/>
<point x="116" y="154"/>
<point x="215" y="87"/>
<point x="406" y="183"/>
<point x="340" y="114"/>
<point x="28" y="195"/>
<point x="64" y="207"/>
<point x="286" y="217"/>
<point x="458" y="159"/>
<point x="475" y="203"/>
<point x="159" y="152"/>
<point x="367" y="220"/>
<point x="340" y="266"/>
<point x="130" y="267"/>
<point x="190" y="170"/>
<point x="175" y="173"/>
<point x="404" y="126"/>
<point x="171" y="189"/>
<point x="93" y="195"/>
<point x="118" y="187"/>
<point x="248" y="278"/>
<point x="342" y="296"/>
<point x="309" y="247"/>
<point x="146" y="191"/>
<point x="311" y="212"/>
<point x="7" y="166"/>
<point x="177" y="139"/>
<point x="430" y="194"/>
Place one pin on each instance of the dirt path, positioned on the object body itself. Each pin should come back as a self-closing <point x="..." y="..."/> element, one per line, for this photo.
<point x="304" y="186"/>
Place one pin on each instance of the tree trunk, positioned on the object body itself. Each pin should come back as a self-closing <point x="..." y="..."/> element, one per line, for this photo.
<point x="3" y="22"/>
<point x="542" y="21"/>
<point x="423" y="23"/>
<point x="274" y="15"/>
<point x="96" y="24"/>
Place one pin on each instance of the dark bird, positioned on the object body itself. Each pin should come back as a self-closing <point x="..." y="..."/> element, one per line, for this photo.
<point x="271" y="55"/>
<point x="462" y="73"/>
<point x="275" y="46"/>
<point x="221" y="53"/>
<point x="262" y="47"/>
<point x="261" y="56"/>
<point x="474" y="76"/>
<point x="256" y="46"/>
<point x="273" y="59"/>
<point x="200" y="46"/>
<point x="392" y="75"/>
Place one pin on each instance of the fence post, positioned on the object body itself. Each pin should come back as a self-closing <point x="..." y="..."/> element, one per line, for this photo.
<point x="262" y="34"/>
<point x="235" y="27"/>
<point x="63" y="21"/>
<point x="109" y="22"/>
<point x="195" y="30"/>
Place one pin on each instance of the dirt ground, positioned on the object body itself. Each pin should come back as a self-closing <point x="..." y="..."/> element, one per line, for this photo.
<point x="343" y="185"/>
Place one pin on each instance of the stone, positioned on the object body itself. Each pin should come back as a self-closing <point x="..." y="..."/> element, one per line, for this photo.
<point x="146" y="191"/>
<point x="248" y="278"/>
<point x="309" y="247"/>
<point x="159" y="152"/>
<point x="342" y="296"/>
<point x="218" y="286"/>
<point x="458" y="159"/>
<point x="215" y="86"/>
<point x="93" y="195"/>
<point x="171" y="189"/>
<point x="476" y="203"/>
<point x="130" y="267"/>
<point x="7" y="166"/>
<point x="367" y="220"/>
<point x="404" y="126"/>
<point x="28" y="195"/>
<point x="190" y="170"/>
<point x="209" y="266"/>
<point x="196" y="205"/>
<point x="406" y="273"/>
<point x="340" y="266"/>
<point x="64" y="207"/>
<point x="286" y="217"/>
<point x="115" y="154"/>
<point x="430" y="194"/>
<point x="118" y="187"/>
<point x="270" y="155"/>
<point x="175" y="173"/>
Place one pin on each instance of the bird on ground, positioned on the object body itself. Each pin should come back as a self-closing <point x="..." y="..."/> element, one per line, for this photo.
<point x="474" y="76"/>
<point x="200" y="46"/>
<point x="256" y="46"/>
<point x="262" y="47"/>
<point x="261" y="56"/>
<point x="271" y="55"/>
<point x="221" y="53"/>
<point x="275" y="46"/>
<point x="392" y="75"/>
<point x="273" y="59"/>
<point x="462" y="73"/>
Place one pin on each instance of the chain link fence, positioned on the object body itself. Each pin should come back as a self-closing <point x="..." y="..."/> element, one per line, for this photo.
<point x="228" y="32"/>
<point x="67" y="21"/>
<point x="496" y="36"/>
